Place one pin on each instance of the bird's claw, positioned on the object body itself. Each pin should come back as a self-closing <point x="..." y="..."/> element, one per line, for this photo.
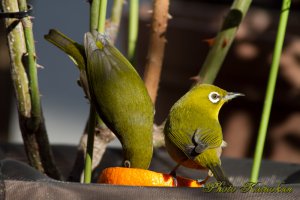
<point x="127" y="164"/>
<point x="203" y="181"/>
<point x="174" y="177"/>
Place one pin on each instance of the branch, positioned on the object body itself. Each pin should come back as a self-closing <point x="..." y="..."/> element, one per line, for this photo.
<point x="30" y="118"/>
<point x="157" y="47"/>
<point x="158" y="135"/>
<point x="36" y="122"/>
<point x="223" y="41"/>
<point x="17" y="49"/>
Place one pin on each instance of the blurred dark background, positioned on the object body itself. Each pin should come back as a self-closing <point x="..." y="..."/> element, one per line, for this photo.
<point x="245" y="70"/>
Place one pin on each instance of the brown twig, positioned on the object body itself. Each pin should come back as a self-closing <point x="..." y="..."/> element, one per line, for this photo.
<point x="157" y="47"/>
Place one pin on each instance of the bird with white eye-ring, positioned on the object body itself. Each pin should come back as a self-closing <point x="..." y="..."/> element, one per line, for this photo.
<point x="214" y="97"/>
<point x="193" y="134"/>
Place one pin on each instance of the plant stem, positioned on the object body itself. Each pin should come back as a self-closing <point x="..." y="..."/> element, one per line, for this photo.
<point x="156" y="47"/>
<point x="102" y="16"/>
<point x="30" y="118"/>
<point x="90" y="145"/>
<point x="93" y="115"/>
<point x="103" y="135"/>
<point x="112" y="27"/>
<point x="270" y="90"/>
<point x="17" y="49"/>
<point x="94" y="14"/>
<point x="31" y="64"/>
<point x="133" y="28"/>
<point x="36" y="122"/>
<point x="223" y="41"/>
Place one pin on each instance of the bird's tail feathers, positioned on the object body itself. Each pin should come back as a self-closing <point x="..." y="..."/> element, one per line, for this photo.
<point x="219" y="174"/>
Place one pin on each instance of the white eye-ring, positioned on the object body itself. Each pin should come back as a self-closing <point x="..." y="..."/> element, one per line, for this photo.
<point x="214" y="97"/>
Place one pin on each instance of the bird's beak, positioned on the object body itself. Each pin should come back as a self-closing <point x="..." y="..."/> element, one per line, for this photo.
<point x="232" y="95"/>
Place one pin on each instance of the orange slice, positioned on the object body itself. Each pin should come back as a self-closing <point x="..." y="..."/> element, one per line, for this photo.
<point x="142" y="177"/>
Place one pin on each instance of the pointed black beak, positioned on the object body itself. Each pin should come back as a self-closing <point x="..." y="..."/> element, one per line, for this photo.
<point x="232" y="95"/>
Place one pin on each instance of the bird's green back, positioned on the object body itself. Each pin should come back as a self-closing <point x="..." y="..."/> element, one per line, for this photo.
<point x="121" y="100"/>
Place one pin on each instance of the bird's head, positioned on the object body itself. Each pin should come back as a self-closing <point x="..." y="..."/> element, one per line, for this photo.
<point x="212" y="97"/>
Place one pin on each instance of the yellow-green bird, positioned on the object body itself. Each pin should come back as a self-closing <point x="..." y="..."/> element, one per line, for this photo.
<point x="193" y="134"/>
<point x="121" y="99"/>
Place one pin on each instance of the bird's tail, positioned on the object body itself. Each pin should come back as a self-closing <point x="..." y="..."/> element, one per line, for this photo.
<point x="219" y="174"/>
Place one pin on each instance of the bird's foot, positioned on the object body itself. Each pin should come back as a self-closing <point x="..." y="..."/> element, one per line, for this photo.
<point x="203" y="181"/>
<point x="209" y="173"/>
<point x="174" y="177"/>
<point x="127" y="164"/>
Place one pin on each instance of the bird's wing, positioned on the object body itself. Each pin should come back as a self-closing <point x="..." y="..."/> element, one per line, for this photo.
<point x="202" y="139"/>
<point x="195" y="142"/>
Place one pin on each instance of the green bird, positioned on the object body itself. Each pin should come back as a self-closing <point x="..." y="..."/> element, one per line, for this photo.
<point x="193" y="134"/>
<point x="120" y="98"/>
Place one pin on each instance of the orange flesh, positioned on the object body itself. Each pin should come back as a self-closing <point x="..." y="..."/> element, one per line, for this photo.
<point x="142" y="177"/>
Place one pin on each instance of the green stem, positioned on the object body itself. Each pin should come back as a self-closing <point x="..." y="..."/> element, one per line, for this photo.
<point x="116" y="11"/>
<point x="35" y="124"/>
<point x="93" y="116"/>
<point x="133" y="27"/>
<point x="112" y="30"/>
<point x="223" y="41"/>
<point x="116" y="14"/>
<point x="31" y="122"/>
<point x="94" y="14"/>
<point x="270" y="90"/>
<point x="102" y="16"/>
<point x="90" y="146"/>
<point x="31" y="64"/>
<point x="17" y="49"/>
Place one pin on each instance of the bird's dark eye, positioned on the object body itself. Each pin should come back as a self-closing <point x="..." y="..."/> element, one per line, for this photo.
<point x="214" y="97"/>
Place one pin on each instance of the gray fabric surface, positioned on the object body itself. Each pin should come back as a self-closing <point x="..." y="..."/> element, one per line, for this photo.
<point x="60" y="190"/>
<point x="20" y="181"/>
